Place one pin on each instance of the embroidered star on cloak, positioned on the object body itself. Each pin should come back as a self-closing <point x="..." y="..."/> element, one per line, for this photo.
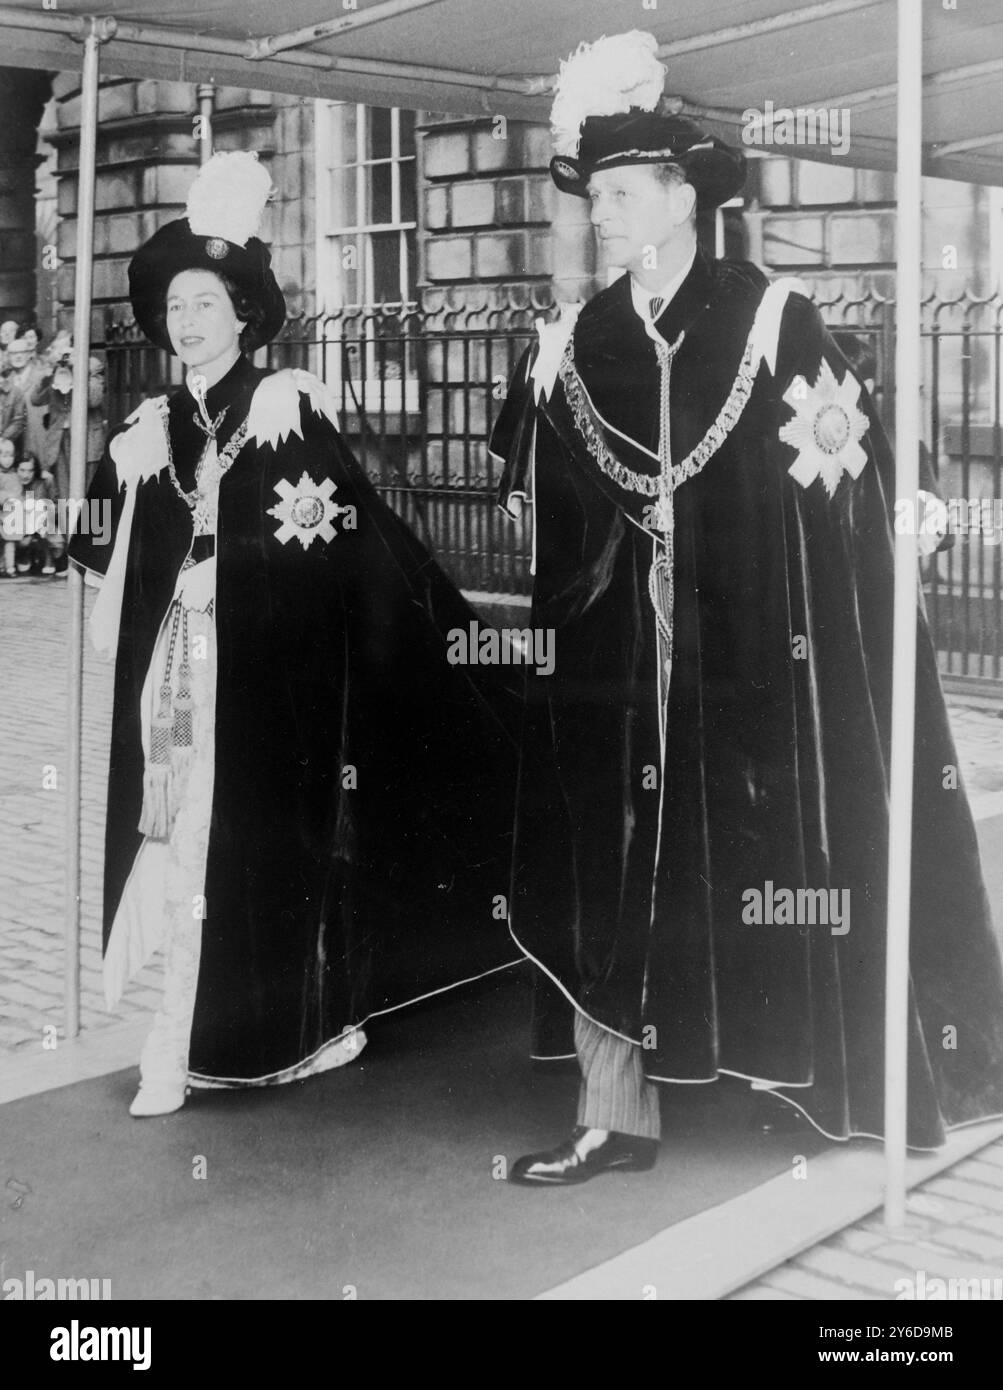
<point x="305" y="511"/>
<point x="826" y="429"/>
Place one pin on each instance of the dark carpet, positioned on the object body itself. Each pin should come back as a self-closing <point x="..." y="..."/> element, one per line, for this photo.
<point x="379" y="1180"/>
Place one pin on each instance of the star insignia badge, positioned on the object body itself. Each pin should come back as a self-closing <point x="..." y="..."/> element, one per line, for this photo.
<point x="826" y="429"/>
<point x="305" y="511"/>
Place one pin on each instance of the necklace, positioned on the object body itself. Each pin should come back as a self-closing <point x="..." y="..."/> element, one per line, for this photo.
<point x="649" y="485"/>
<point x="225" y="462"/>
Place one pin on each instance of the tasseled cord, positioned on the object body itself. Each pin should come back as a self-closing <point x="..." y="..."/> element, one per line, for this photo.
<point x="169" y="763"/>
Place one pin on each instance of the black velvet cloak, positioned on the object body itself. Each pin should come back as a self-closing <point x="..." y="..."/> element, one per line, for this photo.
<point x="330" y="896"/>
<point x="776" y="764"/>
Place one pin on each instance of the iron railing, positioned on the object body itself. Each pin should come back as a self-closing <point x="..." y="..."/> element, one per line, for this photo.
<point x="419" y="388"/>
<point x="962" y="370"/>
<point x="418" y="391"/>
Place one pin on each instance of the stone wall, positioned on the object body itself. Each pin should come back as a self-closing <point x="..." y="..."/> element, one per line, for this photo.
<point x="148" y="152"/>
<point x="23" y="95"/>
<point x="491" y="216"/>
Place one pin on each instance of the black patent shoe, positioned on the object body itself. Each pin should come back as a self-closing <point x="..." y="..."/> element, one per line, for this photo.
<point x="564" y="1165"/>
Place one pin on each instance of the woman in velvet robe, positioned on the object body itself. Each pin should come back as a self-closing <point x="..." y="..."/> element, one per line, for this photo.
<point x="308" y="806"/>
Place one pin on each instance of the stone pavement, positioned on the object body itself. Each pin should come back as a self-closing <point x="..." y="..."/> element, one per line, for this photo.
<point x="953" y="1231"/>
<point x="34" y="617"/>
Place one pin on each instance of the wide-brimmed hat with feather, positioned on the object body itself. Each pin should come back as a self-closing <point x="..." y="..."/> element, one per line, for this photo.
<point x="225" y="207"/>
<point x="609" y="110"/>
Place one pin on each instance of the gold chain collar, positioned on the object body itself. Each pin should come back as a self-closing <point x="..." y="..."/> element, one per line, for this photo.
<point x="649" y="485"/>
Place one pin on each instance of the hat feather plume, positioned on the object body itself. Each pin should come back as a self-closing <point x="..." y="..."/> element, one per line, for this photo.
<point x="228" y="197"/>
<point x="605" y="78"/>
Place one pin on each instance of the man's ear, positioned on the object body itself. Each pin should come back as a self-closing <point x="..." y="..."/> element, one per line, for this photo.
<point x="686" y="201"/>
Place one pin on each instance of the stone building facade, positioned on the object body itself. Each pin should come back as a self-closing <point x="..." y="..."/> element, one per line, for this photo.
<point x="450" y="234"/>
<point x="486" y="217"/>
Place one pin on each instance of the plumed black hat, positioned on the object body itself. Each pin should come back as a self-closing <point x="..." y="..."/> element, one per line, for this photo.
<point x="609" y="110"/>
<point x="715" y="170"/>
<point x="225" y="204"/>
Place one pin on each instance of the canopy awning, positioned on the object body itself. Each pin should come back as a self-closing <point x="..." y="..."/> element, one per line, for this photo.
<point x="479" y="57"/>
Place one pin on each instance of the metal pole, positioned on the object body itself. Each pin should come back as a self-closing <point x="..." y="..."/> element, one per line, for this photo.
<point x="907" y="425"/>
<point x="205" y="94"/>
<point x="96" y="33"/>
<point x="203" y="45"/>
<point x="331" y="28"/>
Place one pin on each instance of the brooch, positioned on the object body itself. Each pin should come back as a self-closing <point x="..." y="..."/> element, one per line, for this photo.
<point x="826" y="429"/>
<point x="306" y="510"/>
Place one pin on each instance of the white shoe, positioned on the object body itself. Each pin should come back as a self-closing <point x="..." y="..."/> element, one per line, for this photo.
<point x="158" y="1100"/>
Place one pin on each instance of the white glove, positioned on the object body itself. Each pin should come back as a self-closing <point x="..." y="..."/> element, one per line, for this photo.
<point x="932" y="526"/>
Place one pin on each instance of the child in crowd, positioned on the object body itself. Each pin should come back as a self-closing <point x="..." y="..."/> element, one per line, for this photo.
<point x="31" y="525"/>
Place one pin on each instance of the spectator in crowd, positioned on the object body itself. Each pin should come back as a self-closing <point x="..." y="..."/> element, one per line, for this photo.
<point x="30" y="369"/>
<point x="13" y="412"/>
<point x="9" y="492"/>
<point x="30" y="525"/>
<point x="55" y="394"/>
<point x="8" y="332"/>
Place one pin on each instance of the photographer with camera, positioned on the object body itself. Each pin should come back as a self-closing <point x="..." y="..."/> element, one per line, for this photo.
<point x="55" y="392"/>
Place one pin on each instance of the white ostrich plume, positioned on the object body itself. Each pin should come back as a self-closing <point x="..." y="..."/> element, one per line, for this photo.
<point x="228" y="197"/>
<point x="602" y="79"/>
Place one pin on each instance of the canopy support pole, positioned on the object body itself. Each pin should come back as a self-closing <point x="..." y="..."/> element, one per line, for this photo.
<point x="205" y="95"/>
<point x="96" y="33"/>
<point x="331" y="28"/>
<point x="907" y="422"/>
<point x="204" y="45"/>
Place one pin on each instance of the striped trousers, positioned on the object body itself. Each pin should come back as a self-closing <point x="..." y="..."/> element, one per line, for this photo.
<point x="614" y="1094"/>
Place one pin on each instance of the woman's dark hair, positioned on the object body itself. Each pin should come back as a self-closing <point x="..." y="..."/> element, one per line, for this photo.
<point x="26" y="456"/>
<point x="251" y="313"/>
<point x="248" y="308"/>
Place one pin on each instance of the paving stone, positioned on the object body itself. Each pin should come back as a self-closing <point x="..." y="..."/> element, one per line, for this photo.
<point x="855" y="1240"/>
<point x="26" y="994"/>
<point x="804" y="1283"/>
<point x="915" y="1224"/>
<point x="938" y="1263"/>
<point x="978" y="1193"/>
<point x="762" y="1292"/>
<point x="842" y="1266"/>
<point x="991" y="1224"/>
<point x="970" y="1240"/>
<point x="979" y="1171"/>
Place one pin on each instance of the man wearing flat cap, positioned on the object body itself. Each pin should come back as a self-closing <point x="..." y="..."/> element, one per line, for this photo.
<point x="702" y="830"/>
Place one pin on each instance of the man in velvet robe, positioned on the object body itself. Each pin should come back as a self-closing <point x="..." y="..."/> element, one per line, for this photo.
<point x="702" y="824"/>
